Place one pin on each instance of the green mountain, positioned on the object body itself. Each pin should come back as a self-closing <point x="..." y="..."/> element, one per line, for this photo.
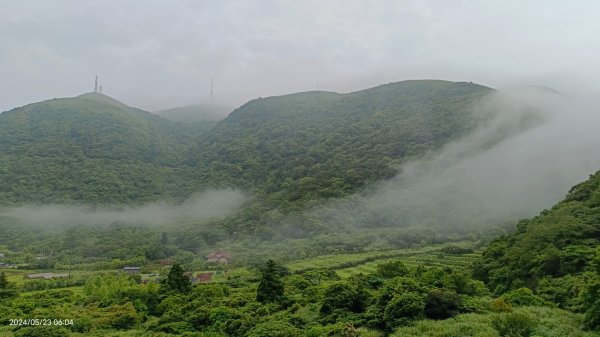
<point x="289" y="151"/>
<point x="90" y="148"/>
<point x="302" y="147"/>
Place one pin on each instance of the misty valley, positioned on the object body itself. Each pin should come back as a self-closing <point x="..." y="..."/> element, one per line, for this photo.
<point x="414" y="208"/>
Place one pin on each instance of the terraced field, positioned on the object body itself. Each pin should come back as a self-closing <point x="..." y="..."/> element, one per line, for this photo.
<point x="427" y="259"/>
<point x="347" y="264"/>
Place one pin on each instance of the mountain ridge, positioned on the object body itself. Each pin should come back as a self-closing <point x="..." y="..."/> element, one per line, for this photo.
<point x="295" y="147"/>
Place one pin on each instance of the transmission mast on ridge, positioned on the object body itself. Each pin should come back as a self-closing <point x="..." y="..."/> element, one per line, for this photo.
<point x="212" y="86"/>
<point x="96" y="84"/>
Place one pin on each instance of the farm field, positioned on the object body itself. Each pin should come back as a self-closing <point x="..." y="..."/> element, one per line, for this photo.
<point x="426" y="259"/>
<point x="428" y="255"/>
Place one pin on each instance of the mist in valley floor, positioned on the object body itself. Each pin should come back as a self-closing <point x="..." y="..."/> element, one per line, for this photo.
<point x="205" y="206"/>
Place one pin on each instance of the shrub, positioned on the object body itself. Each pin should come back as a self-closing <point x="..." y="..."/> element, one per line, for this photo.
<point x="123" y="316"/>
<point x="274" y="329"/>
<point x="500" y="305"/>
<point x="403" y="308"/>
<point x="591" y="301"/>
<point x="345" y="296"/>
<point x="42" y="331"/>
<point x="522" y="296"/>
<point x="513" y="325"/>
<point x="592" y="316"/>
<point x="82" y="324"/>
<point x="174" y="327"/>
<point x="392" y="269"/>
<point x="441" y="304"/>
<point x="473" y="304"/>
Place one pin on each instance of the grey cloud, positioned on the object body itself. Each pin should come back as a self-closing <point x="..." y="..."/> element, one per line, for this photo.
<point x="157" y="54"/>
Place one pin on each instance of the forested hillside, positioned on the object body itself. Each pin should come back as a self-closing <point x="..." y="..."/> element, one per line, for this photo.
<point x="557" y="254"/>
<point x="288" y="150"/>
<point x="303" y="147"/>
<point x="90" y="149"/>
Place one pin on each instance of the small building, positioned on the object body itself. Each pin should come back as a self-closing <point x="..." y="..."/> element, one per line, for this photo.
<point x="46" y="276"/>
<point x="221" y="257"/>
<point x="131" y="270"/>
<point x="204" y="277"/>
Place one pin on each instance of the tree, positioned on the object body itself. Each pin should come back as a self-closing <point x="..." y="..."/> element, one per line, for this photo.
<point x="403" y="308"/>
<point x="3" y="281"/>
<point x="522" y="296"/>
<point x="392" y="269"/>
<point x="441" y="304"/>
<point x="176" y="281"/>
<point x="345" y="296"/>
<point x="595" y="264"/>
<point x="6" y="289"/>
<point x="591" y="302"/>
<point x="164" y="238"/>
<point x="270" y="288"/>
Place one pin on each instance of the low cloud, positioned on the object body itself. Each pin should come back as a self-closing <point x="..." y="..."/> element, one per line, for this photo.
<point x="533" y="145"/>
<point x="206" y="206"/>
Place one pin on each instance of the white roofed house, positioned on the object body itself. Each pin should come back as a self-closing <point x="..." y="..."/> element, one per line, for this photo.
<point x="131" y="270"/>
<point x="46" y="276"/>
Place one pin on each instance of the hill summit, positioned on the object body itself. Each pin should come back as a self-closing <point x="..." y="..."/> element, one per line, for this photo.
<point x="88" y="148"/>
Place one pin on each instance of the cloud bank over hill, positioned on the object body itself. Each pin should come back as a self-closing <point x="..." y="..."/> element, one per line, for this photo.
<point x="533" y="145"/>
<point x="156" y="55"/>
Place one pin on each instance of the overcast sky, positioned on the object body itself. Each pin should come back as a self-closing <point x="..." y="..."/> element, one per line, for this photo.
<point x="160" y="54"/>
